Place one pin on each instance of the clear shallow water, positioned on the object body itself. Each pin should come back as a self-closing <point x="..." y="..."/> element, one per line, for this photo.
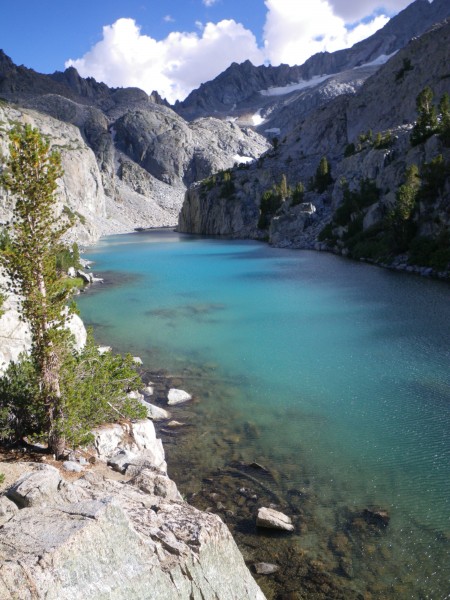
<point x="341" y="368"/>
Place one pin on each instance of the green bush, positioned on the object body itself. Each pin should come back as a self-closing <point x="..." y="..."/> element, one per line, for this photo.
<point x="355" y="200"/>
<point x="434" y="175"/>
<point x="94" y="391"/>
<point x="407" y="66"/>
<point x="326" y="235"/>
<point x="383" y="141"/>
<point x="68" y="257"/>
<point x="270" y="202"/>
<point x="5" y="239"/>
<point x="323" y="177"/>
<point x="431" y="252"/>
<point x="427" y="122"/>
<point x="350" y="149"/>
<point x="298" y="194"/>
<point x="227" y="187"/>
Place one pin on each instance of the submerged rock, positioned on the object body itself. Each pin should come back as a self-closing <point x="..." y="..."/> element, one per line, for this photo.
<point x="378" y="517"/>
<point x="273" y="519"/>
<point x="263" y="568"/>
<point x="156" y="413"/>
<point x="176" y="396"/>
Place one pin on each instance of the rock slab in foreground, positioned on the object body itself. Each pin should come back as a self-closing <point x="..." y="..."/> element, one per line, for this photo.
<point x="273" y="519"/>
<point x="108" y="540"/>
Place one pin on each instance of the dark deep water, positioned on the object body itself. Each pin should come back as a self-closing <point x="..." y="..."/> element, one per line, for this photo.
<point x="332" y="374"/>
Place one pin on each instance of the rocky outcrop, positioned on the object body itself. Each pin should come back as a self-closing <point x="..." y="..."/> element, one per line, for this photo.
<point x="98" y="538"/>
<point x="209" y="213"/>
<point x="80" y="192"/>
<point x="179" y="153"/>
<point x="133" y="441"/>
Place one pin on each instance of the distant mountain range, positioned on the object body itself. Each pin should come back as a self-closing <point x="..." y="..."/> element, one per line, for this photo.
<point x="238" y="89"/>
<point x="136" y="156"/>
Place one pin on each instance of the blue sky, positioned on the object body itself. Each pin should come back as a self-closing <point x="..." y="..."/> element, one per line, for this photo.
<point x="174" y="45"/>
<point x="43" y="34"/>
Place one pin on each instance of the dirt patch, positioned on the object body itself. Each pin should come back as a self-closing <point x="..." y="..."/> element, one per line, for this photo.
<point x="14" y="463"/>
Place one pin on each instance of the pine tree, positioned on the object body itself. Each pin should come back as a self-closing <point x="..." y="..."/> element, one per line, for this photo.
<point x="400" y="219"/>
<point x="427" y="121"/>
<point x="323" y="176"/>
<point x="444" y="121"/>
<point x="298" y="194"/>
<point x="56" y="392"/>
<point x="31" y="176"/>
<point x="284" y="190"/>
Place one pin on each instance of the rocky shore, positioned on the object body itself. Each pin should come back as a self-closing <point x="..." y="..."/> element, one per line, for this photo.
<point x="77" y="529"/>
<point x="96" y="536"/>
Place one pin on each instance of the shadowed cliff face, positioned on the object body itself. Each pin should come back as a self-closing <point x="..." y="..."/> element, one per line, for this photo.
<point x="345" y="130"/>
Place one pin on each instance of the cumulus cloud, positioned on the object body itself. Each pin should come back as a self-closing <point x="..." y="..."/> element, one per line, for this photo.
<point x="179" y="63"/>
<point x="175" y="65"/>
<point x="294" y="32"/>
<point x="352" y="11"/>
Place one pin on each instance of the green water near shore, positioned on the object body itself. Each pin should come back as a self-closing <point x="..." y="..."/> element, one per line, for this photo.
<point x="332" y="373"/>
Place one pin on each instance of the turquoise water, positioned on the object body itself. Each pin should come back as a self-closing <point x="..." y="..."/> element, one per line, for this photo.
<point x="341" y="367"/>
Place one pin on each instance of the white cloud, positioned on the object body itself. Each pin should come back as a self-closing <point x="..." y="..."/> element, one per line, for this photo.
<point x="294" y="32"/>
<point x="180" y="62"/>
<point x="352" y="11"/>
<point x="175" y="65"/>
<point x="169" y="19"/>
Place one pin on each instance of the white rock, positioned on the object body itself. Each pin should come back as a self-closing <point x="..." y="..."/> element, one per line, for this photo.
<point x="71" y="272"/>
<point x="78" y="330"/>
<point x="149" y="390"/>
<point x="138" y="437"/>
<point x="86" y="277"/>
<point x="156" y="413"/>
<point x="120" y="461"/>
<point x="137" y="360"/>
<point x="107" y="440"/>
<point x="7" y="509"/>
<point x="104" y="349"/>
<point x="177" y="397"/>
<point x="144" y="436"/>
<point x="273" y="519"/>
<point x="74" y="467"/>
<point x="37" y="488"/>
<point x="135" y="395"/>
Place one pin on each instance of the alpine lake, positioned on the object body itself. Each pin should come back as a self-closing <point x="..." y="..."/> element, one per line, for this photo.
<point x="321" y="387"/>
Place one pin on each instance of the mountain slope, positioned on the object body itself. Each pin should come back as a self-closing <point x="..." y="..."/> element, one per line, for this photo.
<point x="146" y="153"/>
<point x="367" y="169"/>
<point x="236" y="91"/>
